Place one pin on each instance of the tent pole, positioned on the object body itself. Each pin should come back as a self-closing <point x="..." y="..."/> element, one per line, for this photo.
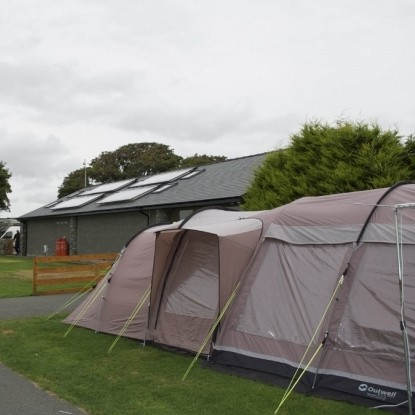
<point x="132" y="316"/>
<point x="98" y="327"/>
<point x="334" y="296"/>
<point x="398" y="230"/>
<point x="148" y="319"/>
<point x="108" y="281"/>
<point x="318" y="367"/>
<point x="293" y="379"/>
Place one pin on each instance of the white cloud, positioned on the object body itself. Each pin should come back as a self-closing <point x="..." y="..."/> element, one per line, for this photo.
<point x="225" y="78"/>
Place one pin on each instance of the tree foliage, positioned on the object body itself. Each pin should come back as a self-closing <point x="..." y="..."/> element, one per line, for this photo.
<point x="200" y="160"/>
<point x="5" y="187"/>
<point x="75" y="181"/>
<point x="325" y="159"/>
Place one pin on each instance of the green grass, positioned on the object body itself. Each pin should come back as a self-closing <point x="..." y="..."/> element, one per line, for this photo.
<point x="132" y="380"/>
<point x="15" y="276"/>
<point x="136" y="380"/>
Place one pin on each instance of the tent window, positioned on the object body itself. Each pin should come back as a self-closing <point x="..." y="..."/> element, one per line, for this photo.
<point x="303" y="275"/>
<point x="370" y="322"/>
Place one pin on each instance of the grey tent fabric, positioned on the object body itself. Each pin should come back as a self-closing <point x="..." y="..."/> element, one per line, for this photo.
<point x="198" y="275"/>
<point x="287" y="294"/>
<point x="108" y="308"/>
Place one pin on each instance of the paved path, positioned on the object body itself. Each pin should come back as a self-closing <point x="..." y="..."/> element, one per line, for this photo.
<point x="18" y="395"/>
<point x="41" y="305"/>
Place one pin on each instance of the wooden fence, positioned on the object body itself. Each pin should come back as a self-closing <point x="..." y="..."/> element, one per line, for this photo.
<point x="64" y="274"/>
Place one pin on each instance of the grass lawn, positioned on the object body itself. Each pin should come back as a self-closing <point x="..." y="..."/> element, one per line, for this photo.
<point x="15" y="276"/>
<point x="136" y="380"/>
<point x="132" y="380"/>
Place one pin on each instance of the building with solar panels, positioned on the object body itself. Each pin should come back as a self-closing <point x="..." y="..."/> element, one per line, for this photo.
<point x="104" y="217"/>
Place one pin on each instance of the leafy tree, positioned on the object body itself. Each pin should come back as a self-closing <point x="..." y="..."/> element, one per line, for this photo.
<point x="324" y="159"/>
<point x="105" y="168"/>
<point x="134" y="160"/>
<point x="200" y="160"/>
<point x="74" y="181"/>
<point x="410" y="150"/>
<point x="4" y="186"/>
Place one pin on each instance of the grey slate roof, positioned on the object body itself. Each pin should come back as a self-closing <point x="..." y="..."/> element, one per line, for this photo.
<point x="225" y="181"/>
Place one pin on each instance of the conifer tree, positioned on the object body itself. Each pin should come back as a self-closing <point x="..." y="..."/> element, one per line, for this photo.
<point x="325" y="159"/>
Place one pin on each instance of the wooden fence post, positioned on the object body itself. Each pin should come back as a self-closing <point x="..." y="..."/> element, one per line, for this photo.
<point x="63" y="274"/>
<point x="35" y="269"/>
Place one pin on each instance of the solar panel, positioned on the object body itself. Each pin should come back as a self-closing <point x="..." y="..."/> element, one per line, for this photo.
<point x="76" y="202"/>
<point x="108" y="187"/>
<point x="192" y="173"/>
<point x="163" y="177"/>
<point x="164" y="187"/>
<point x="127" y="194"/>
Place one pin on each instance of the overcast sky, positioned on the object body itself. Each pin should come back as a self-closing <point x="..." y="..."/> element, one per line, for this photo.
<point x="217" y="77"/>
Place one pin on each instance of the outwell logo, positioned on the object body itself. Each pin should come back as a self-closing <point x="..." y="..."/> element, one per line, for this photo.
<point x="377" y="393"/>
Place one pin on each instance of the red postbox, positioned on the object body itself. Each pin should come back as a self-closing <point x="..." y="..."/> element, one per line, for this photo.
<point x="61" y="247"/>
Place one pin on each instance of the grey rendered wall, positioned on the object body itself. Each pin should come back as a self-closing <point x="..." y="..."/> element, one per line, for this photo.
<point x="94" y="233"/>
<point x="108" y="232"/>
<point x="44" y="232"/>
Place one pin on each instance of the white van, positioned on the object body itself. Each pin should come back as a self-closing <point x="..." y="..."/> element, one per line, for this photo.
<point x="10" y="232"/>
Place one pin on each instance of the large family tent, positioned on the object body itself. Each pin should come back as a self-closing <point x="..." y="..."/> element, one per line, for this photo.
<point x="191" y="268"/>
<point x="331" y="288"/>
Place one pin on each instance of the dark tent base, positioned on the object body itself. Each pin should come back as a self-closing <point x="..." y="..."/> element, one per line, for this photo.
<point x="326" y="386"/>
